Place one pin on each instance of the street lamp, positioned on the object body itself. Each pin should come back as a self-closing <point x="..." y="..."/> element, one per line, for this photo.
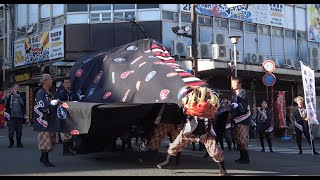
<point x="234" y="41"/>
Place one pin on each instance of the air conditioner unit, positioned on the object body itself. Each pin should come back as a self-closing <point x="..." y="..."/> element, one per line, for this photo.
<point x="178" y="48"/>
<point x="220" y="52"/>
<point x="205" y="50"/>
<point x="289" y="63"/>
<point x="314" y="54"/>
<point x="189" y="52"/>
<point x="253" y="58"/>
<point x="220" y="39"/>
<point x="239" y="55"/>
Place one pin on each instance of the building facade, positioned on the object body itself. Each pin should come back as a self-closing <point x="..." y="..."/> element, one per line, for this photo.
<point x="50" y="37"/>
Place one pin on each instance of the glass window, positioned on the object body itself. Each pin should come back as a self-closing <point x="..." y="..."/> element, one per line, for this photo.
<point x="100" y="7"/>
<point x="147" y="6"/>
<point x="289" y="33"/>
<point x="77" y="7"/>
<point x="301" y="35"/>
<point x="44" y="25"/>
<point x="95" y="17"/>
<point x="58" y="21"/>
<point x="251" y="27"/>
<point x="224" y="23"/>
<point x="264" y="29"/>
<point x="235" y="25"/>
<point x="205" y="20"/>
<point x="123" y="6"/>
<point x="169" y="15"/>
<point x="106" y="17"/>
<point x="186" y="17"/>
<point x="276" y="31"/>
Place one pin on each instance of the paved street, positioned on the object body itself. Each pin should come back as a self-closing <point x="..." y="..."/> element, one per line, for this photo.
<point x="285" y="161"/>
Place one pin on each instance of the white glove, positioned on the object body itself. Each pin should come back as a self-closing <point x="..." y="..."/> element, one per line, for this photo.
<point x="54" y="102"/>
<point x="234" y="105"/>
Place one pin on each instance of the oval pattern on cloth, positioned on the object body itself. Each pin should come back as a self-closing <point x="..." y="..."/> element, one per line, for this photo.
<point x="119" y="60"/>
<point x="138" y="85"/>
<point x="132" y="48"/>
<point x="98" y="77"/>
<point x="106" y="95"/>
<point x="164" y="94"/>
<point x="172" y="74"/>
<point x="125" y="96"/>
<point x="150" y="75"/>
<point x="79" y="73"/>
<point x="137" y="59"/>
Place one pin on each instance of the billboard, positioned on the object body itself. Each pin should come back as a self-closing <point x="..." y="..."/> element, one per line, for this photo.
<point x="314" y="22"/>
<point x="269" y="14"/>
<point x="44" y="46"/>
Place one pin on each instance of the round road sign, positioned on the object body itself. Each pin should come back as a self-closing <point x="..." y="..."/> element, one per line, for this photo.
<point x="269" y="66"/>
<point x="269" y="79"/>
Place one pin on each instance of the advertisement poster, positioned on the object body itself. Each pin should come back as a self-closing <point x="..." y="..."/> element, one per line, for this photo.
<point x="2" y="122"/>
<point x="308" y="80"/>
<point x="314" y="22"/>
<point x="19" y="53"/>
<point x="38" y="48"/>
<point x="269" y="14"/>
<point x="56" y="40"/>
<point x="281" y="110"/>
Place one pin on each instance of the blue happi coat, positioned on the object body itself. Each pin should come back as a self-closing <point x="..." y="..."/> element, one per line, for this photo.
<point x="45" y="118"/>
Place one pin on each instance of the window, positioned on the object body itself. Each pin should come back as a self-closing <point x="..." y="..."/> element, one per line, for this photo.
<point x="45" y="25"/>
<point x="264" y="29"/>
<point x="123" y="16"/>
<point x="100" y="7"/>
<point x="205" y="20"/>
<point x="277" y="32"/>
<point x="57" y="21"/>
<point x="221" y="23"/>
<point x="147" y="6"/>
<point x="77" y="7"/>
<point x="235" y="25"/>
<point x="289" y="33"/>
<point x="251" y="27"/>
<point x="167" y="15"/>
<point x="186" y="17"/>
<point x="103" y="17"/>
<point x="123" y="6"/>
<point x="301" y="35"/>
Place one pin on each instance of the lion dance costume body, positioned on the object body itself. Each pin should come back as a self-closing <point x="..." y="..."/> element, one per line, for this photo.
<point x="200" y="104"/>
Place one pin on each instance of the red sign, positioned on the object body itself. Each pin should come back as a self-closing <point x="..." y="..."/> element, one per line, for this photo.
<point x="269" y="66"/>
<point x="281" y="110"/>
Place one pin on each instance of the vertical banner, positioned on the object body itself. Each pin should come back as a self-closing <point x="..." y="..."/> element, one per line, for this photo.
<point x="308" y="80"/>
<point x="281" y="109"/>
<point x="313" y="22"/>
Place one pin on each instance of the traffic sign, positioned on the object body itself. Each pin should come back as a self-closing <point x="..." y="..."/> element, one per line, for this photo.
<point x="269" y="79"/>
<point x="269" y="66"/>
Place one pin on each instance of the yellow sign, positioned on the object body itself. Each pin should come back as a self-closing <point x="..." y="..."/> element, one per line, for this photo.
<point x="22" y="77"/>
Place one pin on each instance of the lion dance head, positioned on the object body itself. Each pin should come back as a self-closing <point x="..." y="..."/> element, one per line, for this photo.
<point x="200" y="101"/>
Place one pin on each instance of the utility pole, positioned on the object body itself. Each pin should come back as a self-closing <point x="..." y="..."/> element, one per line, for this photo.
<point x="194" y="23"/>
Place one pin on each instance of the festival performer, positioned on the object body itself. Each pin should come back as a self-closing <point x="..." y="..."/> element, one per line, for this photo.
<point x="198" y="103"/>
<point x="264" y="124"/>
<point x="240" y="115"/>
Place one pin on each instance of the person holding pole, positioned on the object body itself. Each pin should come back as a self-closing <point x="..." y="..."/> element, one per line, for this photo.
<point x="301" y="124"/>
